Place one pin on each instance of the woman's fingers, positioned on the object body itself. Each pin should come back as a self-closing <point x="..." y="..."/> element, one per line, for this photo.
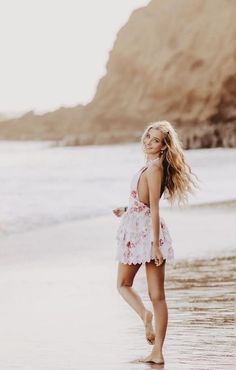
<point x="159" y="261"/>
<point x="118" y="211"/>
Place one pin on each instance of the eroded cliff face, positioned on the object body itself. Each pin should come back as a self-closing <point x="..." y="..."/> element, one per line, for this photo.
<point x="173" y="60"/>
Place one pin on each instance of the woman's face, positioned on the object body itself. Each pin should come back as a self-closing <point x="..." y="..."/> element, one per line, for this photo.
<point x="153" y="141"/>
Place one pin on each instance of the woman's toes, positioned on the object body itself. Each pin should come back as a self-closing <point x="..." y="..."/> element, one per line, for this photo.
<point x="145" y="359"/>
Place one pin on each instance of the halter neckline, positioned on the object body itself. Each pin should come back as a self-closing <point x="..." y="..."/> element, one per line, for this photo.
<point x="151" y="161"/>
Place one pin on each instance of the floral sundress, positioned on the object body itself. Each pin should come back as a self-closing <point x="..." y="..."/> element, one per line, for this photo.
<point x="135" y="232"/>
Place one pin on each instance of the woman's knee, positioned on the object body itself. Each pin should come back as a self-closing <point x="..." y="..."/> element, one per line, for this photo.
<point x="126" y="275"/>
<point x="156" y="297"/>
<point x="124" y="283"/>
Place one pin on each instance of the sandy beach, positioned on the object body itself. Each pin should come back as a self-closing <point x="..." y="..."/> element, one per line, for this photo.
<point x="60" y="308"/>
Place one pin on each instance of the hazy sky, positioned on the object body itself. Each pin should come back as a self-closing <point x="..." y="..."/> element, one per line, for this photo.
<point x="53" y="52"/>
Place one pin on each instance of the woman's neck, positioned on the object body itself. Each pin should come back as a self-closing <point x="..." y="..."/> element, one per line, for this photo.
<point x="152" y="159"/>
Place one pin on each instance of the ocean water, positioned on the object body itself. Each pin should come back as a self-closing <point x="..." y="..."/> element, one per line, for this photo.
<point x="43" y="184"/>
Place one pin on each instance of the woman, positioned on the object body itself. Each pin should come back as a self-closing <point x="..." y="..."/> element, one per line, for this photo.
<point x="143" y="236"/>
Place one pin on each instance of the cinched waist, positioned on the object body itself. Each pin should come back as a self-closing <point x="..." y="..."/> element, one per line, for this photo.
<point x="139" y="208"/>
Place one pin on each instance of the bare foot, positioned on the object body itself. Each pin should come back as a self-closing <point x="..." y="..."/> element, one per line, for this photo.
<point x="150" y="334"/>
<point x="155" y="357"/>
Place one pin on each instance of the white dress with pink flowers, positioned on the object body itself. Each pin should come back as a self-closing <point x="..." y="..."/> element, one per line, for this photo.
<point x="135" y="232"/>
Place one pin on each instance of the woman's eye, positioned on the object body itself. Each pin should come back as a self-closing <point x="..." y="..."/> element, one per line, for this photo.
<point x="147" y="135"/>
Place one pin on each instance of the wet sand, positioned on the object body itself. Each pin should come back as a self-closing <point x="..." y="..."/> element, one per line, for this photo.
<point x="59" y="307"/>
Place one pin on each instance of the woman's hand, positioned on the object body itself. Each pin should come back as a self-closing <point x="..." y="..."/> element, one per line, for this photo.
<point x="119" y="211"/>
<point x="158" y="255"/>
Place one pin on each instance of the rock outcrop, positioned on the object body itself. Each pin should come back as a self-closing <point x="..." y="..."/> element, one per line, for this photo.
<point x="173" y="60"/>
<point x="53" y="125"/>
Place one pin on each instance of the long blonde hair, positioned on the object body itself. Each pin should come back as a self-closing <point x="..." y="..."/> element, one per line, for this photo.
<point x="178" y="177"/>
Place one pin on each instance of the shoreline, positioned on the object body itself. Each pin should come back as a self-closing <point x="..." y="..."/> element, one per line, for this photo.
<point x="195" y="231"/>
<point x="224" y="205"/>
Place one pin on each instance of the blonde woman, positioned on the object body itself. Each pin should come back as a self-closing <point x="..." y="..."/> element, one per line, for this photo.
<point x="143" y="236"/>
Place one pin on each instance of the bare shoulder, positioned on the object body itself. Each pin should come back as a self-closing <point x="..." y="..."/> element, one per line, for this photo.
<point x="154" y="170"/>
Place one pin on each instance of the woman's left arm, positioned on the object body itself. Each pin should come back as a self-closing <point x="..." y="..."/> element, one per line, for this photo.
<point x="154" y="177"/>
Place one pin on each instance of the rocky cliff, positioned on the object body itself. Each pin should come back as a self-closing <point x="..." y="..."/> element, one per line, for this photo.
<point x="173" y="60"/>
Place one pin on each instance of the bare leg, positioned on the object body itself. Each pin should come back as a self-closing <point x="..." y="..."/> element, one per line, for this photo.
<point x="125" y="278"/>
<point x="155" y="279"/>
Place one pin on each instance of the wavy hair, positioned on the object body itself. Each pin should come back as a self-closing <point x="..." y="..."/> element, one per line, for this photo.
<point x="178" y="178"/>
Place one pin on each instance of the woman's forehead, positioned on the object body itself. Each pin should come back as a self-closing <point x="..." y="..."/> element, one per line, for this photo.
<point x="155" y="132"/>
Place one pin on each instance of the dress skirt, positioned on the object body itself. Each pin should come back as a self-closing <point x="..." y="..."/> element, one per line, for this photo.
<point x="135" y="236"/>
